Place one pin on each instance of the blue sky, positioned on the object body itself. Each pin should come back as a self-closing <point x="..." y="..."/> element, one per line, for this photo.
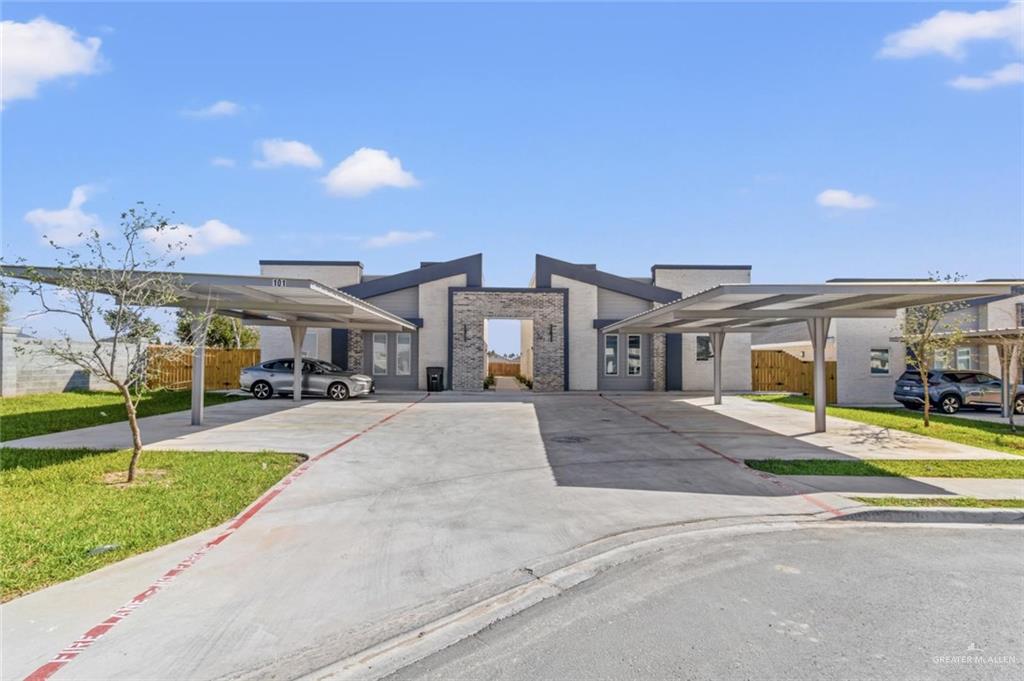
<point x="617" y="134"/>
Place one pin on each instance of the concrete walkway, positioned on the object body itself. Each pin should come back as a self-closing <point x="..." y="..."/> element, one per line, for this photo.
<point x="431" y="510"/>
<point x="507" y="384"/>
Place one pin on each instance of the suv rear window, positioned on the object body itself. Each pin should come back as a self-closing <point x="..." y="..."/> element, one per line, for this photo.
<point x="915" y="377"/>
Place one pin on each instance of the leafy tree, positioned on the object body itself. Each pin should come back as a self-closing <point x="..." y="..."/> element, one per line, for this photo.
<point x="221" y="332"/>
<point x="928" y="330"/>
<point x="5" y="307"/>
<point x="110" y="286"/>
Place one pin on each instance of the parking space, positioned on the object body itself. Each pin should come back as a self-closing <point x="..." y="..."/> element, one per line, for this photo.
<point x="417" y="506"/>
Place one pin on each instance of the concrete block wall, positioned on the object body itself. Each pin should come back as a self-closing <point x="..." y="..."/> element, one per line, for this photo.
<point x="433" y="337"/>
<point x="276" y="341"/>
<point x="699" y="375"/>
<point x="855" y="384"/>
<point x="526" y="348"/>
<point x="583" y="310"/>
<point x="470" y="310"/>
<point x="27" y="368"/>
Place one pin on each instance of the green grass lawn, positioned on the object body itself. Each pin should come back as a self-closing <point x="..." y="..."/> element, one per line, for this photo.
<point x="984" y="434"/>
<point x="60" y="504"/>
<point x="905" y="468"/>
<point x="54" y="412"/>
<point x="955" y="502"/>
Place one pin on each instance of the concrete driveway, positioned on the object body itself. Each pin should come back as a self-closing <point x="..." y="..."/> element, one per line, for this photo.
<point x="444" y="501"/>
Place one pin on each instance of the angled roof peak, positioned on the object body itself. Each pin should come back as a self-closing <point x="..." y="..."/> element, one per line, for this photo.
<point x="470" y="265"/>
<point x="547" y="266"/>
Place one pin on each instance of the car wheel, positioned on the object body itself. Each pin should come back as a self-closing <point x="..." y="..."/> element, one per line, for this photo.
<point x="338" y="391"/>
<point x="261" y="390"/>
<point x="949" y="404"/>
<point x="1018" y="405"/>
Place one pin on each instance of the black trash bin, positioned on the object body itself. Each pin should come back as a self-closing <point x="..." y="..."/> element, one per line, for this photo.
<point x="435" y="379"/>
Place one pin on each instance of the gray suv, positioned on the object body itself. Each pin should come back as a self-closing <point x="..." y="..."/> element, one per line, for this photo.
<point x="275" y="376"/>
<point x="949" y="390"/>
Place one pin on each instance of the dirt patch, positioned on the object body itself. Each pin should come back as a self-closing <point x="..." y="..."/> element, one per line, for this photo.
<point x="143" y="476"/>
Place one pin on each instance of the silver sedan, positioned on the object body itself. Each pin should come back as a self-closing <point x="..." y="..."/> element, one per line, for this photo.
<point x="321" y="378"/>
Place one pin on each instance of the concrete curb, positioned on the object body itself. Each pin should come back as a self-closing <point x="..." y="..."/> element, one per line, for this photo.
<point x="883" y="514"/>
<point x="546" y="578"/>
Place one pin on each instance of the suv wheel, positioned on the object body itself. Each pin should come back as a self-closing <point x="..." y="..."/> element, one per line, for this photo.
<point x="261" y="390"/>
<point x="1018" y="404"/>
<point x="949" y="404"/>
<point x="338" y="391"/>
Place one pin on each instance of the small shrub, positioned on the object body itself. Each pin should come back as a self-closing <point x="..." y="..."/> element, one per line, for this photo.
<point x="489" y="381"/>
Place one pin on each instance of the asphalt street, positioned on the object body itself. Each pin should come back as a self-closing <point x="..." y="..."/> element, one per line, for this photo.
<point x="833" y="603"/>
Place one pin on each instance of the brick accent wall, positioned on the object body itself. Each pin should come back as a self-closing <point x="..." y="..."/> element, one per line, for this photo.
<point x="355" y="351"/>
<point x="657" y="372"/>
<point x="470" y="310"/>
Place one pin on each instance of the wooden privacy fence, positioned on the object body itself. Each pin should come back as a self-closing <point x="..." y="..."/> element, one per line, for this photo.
<point x="777" y="370"/>
<point x="503" y="368"/>
<point x="174" y="370"/>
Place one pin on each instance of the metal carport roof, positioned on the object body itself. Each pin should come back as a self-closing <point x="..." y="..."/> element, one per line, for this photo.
<point x="743" y="308"/>
<point x="258" y="300"/>
<point x="749" y="307"/>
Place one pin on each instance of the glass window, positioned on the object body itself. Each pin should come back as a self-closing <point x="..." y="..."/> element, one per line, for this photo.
<point x="380" y="354"/>
<point x="611" y="355"/>
<point x="704" y="352"/>
<point x="1020" y="315"/>
<point x="963" y="358"/>
<point x="633" y="356"/>
<point x="403" y="354"/>
<point x="879" y="361"/>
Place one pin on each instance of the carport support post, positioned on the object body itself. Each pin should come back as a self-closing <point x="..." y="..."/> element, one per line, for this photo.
<point x="199" y="322"/>
<point x="298" y="335"/>
<point x="818" y="326"/>
<point x="717" y="342"/>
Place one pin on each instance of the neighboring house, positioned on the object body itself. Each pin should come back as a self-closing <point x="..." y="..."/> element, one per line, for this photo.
<point x="561" y="312"/>
<point x="868" y="361"/>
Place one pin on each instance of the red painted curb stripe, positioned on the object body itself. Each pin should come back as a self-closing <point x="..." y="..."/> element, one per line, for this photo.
<point x="775" y="480"/>
<point x="97" y="632"/>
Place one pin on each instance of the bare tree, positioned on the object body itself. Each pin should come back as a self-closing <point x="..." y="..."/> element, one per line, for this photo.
<point x="928" y="330"/>
<point x="111" y="287"/>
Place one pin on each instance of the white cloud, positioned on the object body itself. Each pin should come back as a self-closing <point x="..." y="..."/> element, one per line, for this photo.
<point x="949" y="31"/>
<point x="278" y="152"/>
<point x="840" y="198"/>
<point x="222" y="162"/>
<point x="219" y="109"/>
<point x="367" y="170"/>
<point x="1008" y="75"/>
<point x="397" y="238"/>
<point x="41" y="50"/>
<point x="209" y="236"/>
<point x="66" y="226"/>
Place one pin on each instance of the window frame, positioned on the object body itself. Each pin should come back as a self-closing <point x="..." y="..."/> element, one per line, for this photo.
<point x="639" y="356"/>
<point x="373" y="353"/>
<point x="604" y="357"/>
<point x="961" y="352"/>
<point x="888" y="362"/>
<point x="696" y="351"/>
<point x="398" y="345"/>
